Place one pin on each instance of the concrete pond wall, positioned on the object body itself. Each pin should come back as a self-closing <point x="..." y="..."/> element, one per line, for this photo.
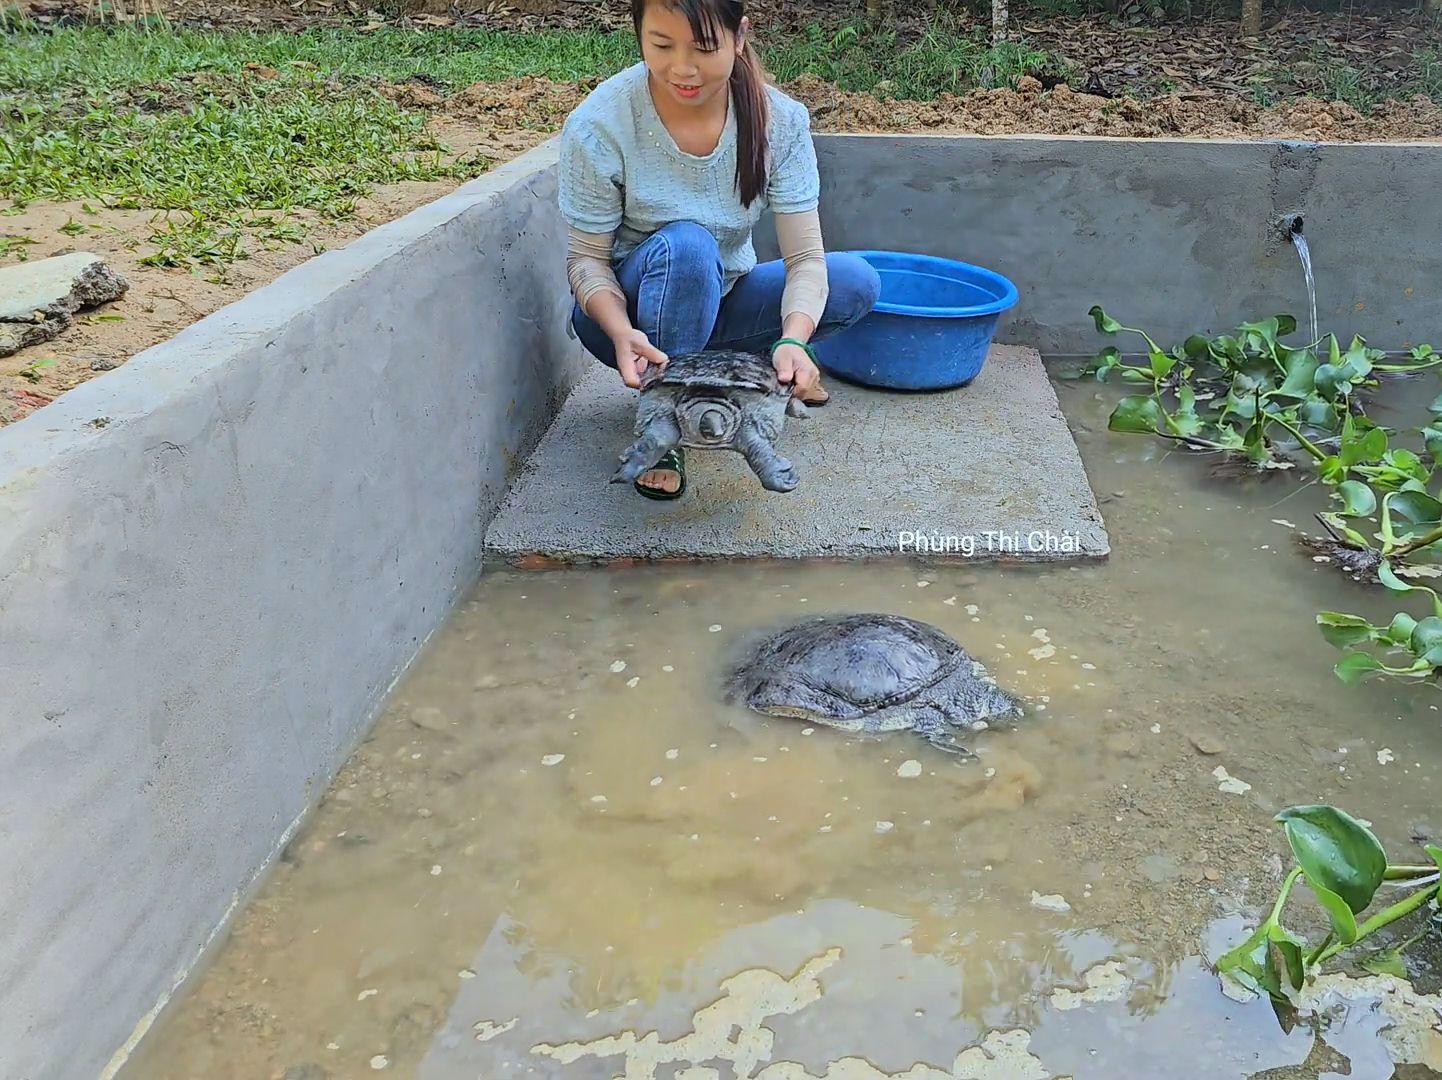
<point x="1174" y="237"/>
<point x="216" y="560"/>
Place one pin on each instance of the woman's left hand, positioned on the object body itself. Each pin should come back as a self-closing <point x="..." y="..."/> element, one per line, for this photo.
<point x="794" y="366"/>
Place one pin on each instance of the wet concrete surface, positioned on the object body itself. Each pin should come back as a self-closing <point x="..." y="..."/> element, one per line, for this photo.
<point x="989" y="471"/>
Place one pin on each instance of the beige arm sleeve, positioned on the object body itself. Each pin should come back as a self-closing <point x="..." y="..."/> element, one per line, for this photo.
<point x="799" y="238"/>
<point x="588" y="265"/>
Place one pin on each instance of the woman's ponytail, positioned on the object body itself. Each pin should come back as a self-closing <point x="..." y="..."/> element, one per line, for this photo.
<point x="748" y="91"/>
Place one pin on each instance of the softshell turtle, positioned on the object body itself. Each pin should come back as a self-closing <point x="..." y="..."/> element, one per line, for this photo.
<point x="871" y="673"/>
<point x="715" y="399"/>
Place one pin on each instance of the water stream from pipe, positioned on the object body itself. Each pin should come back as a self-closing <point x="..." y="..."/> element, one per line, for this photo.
<point x="1300" y="243"/>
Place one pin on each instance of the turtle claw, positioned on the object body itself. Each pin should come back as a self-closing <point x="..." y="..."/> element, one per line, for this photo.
<point x="947" y="745"/>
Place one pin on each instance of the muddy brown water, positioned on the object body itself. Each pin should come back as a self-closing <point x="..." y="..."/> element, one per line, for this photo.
<point x="559" y="854"/>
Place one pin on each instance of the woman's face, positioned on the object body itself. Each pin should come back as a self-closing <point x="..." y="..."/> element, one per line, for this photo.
<point x="690" y="75"/>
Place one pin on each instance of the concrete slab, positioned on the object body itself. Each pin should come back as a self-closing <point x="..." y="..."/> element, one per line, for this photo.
<point x="988" y="472"/>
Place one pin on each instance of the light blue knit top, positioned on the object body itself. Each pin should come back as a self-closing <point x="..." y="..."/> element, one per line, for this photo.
<point x="621" y="172"/>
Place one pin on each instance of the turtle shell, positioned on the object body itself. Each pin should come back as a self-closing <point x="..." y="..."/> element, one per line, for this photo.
<point x="719" y="369"/>
<point x="853" y="665"/>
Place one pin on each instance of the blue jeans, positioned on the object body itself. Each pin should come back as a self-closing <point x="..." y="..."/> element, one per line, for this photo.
<point x="673" y="280"/>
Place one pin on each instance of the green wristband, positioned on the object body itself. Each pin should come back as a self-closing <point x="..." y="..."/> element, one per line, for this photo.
<point x="795" y="341"/>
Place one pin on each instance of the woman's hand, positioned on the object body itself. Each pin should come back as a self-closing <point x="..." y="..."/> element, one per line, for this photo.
<point x="794" y="366"/>
<point x="634" y="352"/>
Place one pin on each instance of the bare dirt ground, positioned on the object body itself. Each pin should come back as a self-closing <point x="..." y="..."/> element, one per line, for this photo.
<point x="506" y="118"/>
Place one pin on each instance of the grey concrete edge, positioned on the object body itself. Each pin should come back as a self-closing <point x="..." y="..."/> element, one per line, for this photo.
<point x="64" y="434"/>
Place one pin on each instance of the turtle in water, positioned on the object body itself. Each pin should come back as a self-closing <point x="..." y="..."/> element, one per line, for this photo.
<point x="873" y="674"/>
<point x="715" y="399"/>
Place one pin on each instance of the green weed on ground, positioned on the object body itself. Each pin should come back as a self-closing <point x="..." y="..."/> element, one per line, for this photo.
<point x="945" y="58"/>
<point x="172" y="119"/>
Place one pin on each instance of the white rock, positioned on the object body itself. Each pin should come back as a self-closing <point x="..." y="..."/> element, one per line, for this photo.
<point x="885" y="826"/>
<point x="672" y="755"/>
<point x="909" y="769"/>
<point x="1230" y="784"/>
<point x="553" y="759"/>
<point x="1384" y="756"/>
<point x="1050" y="902"/>
<point x="1104" y="982"/>
<point x="486" y="1030"/>
<point x="380" y="1061"/>
<point x="714" y="628"/>
<point x="618" y="666"/>
<point x="633" y="680"/>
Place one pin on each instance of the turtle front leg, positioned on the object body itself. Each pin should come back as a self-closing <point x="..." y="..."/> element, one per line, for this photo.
<point x="775" y="472"/>
<point x="659" y="433"/>
<point x="942" y="734"/>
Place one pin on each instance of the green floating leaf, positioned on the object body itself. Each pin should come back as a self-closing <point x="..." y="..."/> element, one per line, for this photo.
<point x="1337" y="853"/>
<point x="1388" y="577"/>
<point x="1352" y="667"/>
<point x="1435" y="853"/>
<point x="1417" y="507"/>
<point x="1357" y="498"/>
<point x="1137" y="415"/>
<point x="1342" y="630"/>
<point x="1301" y="367"/>
<point x="1401" y="628"/>
<point x="1426" y="640"/>
<point x="1195" y="347"/>
<point x="1250" y="963"/>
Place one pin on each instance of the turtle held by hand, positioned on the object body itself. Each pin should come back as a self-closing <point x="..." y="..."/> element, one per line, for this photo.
<point x="715" y="399"/>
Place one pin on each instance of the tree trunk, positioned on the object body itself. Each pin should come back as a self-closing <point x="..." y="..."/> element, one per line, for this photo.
<point x="1432" y="7"/>
<point x="1251" y="18"/>
<point x="998" y="21"/>
<point x="873" y="9"/>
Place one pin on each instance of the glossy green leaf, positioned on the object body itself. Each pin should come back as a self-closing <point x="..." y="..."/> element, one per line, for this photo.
<point x="1401" y="627"/>
<point x="1417" y="507"/>
<point x="1426" y="640"/>
<point x="1301" y="367"/>
<point x="1337" y="853"/>
<point x="1358" y="499"/>
<point x="1250" y="962"/>
<point x="1289" y="946"/>
<point x="1136" y="414"/>
<point x="1344" y="922"/>
<point x="1327" y="378"/>
<point x="1352" y="667"/>
<point x="1195" y="347"/>
<point x="1162" y="364"/>
<point x="1388" y="577"/>
<point x="1435" y="853"/>
<point x="1342" y="630"/>
<point x="1104" y="322"/>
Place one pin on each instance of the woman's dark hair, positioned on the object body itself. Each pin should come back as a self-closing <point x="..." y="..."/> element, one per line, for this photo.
<point x="748" y="87"/>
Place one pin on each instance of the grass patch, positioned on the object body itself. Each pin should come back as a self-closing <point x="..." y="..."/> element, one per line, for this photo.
<point x="944" y="59"/>
<point x="178" y="120"/>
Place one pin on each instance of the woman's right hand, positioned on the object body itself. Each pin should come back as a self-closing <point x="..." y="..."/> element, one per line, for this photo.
<point x="634" y="352"/>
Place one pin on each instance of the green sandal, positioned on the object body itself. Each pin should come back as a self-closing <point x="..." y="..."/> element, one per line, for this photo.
<point x="671" y="461"/>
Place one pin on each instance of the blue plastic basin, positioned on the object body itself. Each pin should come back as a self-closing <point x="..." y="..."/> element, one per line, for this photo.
<point x="930" y="328"/>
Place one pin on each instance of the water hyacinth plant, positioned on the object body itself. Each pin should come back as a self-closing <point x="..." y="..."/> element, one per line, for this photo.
<point x="1254" y="399"/>
<point x="1345" y="866"/>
